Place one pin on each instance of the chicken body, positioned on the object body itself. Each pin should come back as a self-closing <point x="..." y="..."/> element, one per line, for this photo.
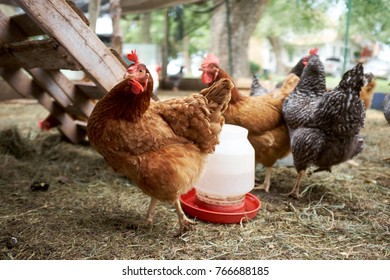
<point x="256" y="88"/>
<point x="324" y="126"/>
<point x="261" y="116"/>
<point x="48" y="123"/>
<point x="367" y="91"/>
<point x="176" y="79"/>
<point x="161" y="146"/>
<point x="386" y="107"/>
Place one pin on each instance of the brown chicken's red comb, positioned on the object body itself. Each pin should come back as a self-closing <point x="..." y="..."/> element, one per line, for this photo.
<point x="132" y="56"/>
<point x="210" y="59"/>
<point x="313" y="51"/>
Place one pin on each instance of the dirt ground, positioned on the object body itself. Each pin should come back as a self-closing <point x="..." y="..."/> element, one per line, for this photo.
<point x="88" y="211"/>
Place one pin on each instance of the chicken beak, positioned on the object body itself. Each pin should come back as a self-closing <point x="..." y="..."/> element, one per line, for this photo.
<point x="128" y="76"/>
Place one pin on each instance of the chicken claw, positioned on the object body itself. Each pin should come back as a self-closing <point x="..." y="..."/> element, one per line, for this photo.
<point x="261" y="186"/>
<point x="185" y="223"/>
<point x="139" y="224"/>
<point x="295" y="191"/>
<point x="293" y="194"/>
<point x="267" y="181"/>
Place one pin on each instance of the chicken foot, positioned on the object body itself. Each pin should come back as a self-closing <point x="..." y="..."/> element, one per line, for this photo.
<point x="295" y="191"/>
<point x="149" y="216"/>
<point x="267" y="180"/>
<point x="185" y="223"/>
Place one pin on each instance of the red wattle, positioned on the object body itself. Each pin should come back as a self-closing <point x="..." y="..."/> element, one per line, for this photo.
<point x="207" y="78"/>
<point x="136" y="87"/>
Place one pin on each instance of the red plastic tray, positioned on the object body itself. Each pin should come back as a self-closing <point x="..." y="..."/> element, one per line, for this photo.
<point x="189" y="205"/>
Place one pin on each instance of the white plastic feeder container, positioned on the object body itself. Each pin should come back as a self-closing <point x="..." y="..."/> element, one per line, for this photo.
<point x="229" y="172"/>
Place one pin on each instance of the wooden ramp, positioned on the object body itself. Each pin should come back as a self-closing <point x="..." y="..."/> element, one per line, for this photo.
<point x="52" y="35"/>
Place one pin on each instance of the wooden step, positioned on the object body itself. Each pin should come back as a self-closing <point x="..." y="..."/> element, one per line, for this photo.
<point x="46" y="54"/>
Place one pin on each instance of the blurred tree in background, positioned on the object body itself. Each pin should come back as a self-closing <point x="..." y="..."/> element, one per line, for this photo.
<point x="224" y="27"/>
<point x="232" y="25"/>
<point x="370" y="19"/>
<point x="284" y="17"/>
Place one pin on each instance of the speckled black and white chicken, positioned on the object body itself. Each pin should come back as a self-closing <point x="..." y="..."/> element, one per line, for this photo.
<point x="386" y="107"/>
<point x="256" y="88"/>
<point x="324" y="126"/>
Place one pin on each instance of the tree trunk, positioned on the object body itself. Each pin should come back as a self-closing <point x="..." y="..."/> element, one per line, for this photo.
<point x="243" y="18"/>
<point x="146" y="28"/>
<point x="116" y="11"/>
<point x="93" y="11"/>
<point x="186" y="54"/>
<point x="165" y="46"/>
<point x="277" y="48"/>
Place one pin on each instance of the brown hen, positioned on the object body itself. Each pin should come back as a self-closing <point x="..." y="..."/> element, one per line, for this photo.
<point x="260" y="115"/>
<point x="161" y="146"/>
<point x="367" y="91"/>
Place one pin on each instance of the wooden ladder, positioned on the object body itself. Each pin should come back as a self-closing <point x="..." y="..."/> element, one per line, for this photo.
<point x="52" y="35"/>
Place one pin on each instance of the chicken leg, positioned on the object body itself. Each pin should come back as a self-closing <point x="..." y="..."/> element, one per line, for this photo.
<point x="150" y="213"/>
<point x="148" y="220"/>
<point x="295" y="191"/>
<point x="267" y="180"/>
<point x="185" y="223"/>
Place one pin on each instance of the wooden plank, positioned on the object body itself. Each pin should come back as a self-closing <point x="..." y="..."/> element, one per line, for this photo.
<point x="56" y="93"/>
<point x="11" y="78"/>
<point x="47" y="54"/>
<point x="30" y="28"/>
<point x="27" y="25"/>
<point x="59" y="82"/>
<point x="8" y="31"/>
<point x="89" y="89"/>
<point x="58" y="20"/>
<point x="23" y="84"/>
<point x="64" y="92"/>
<point x="7" y="93"/>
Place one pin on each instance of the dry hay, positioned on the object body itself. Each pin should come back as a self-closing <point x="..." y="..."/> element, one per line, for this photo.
<point x="88" y="211"/>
